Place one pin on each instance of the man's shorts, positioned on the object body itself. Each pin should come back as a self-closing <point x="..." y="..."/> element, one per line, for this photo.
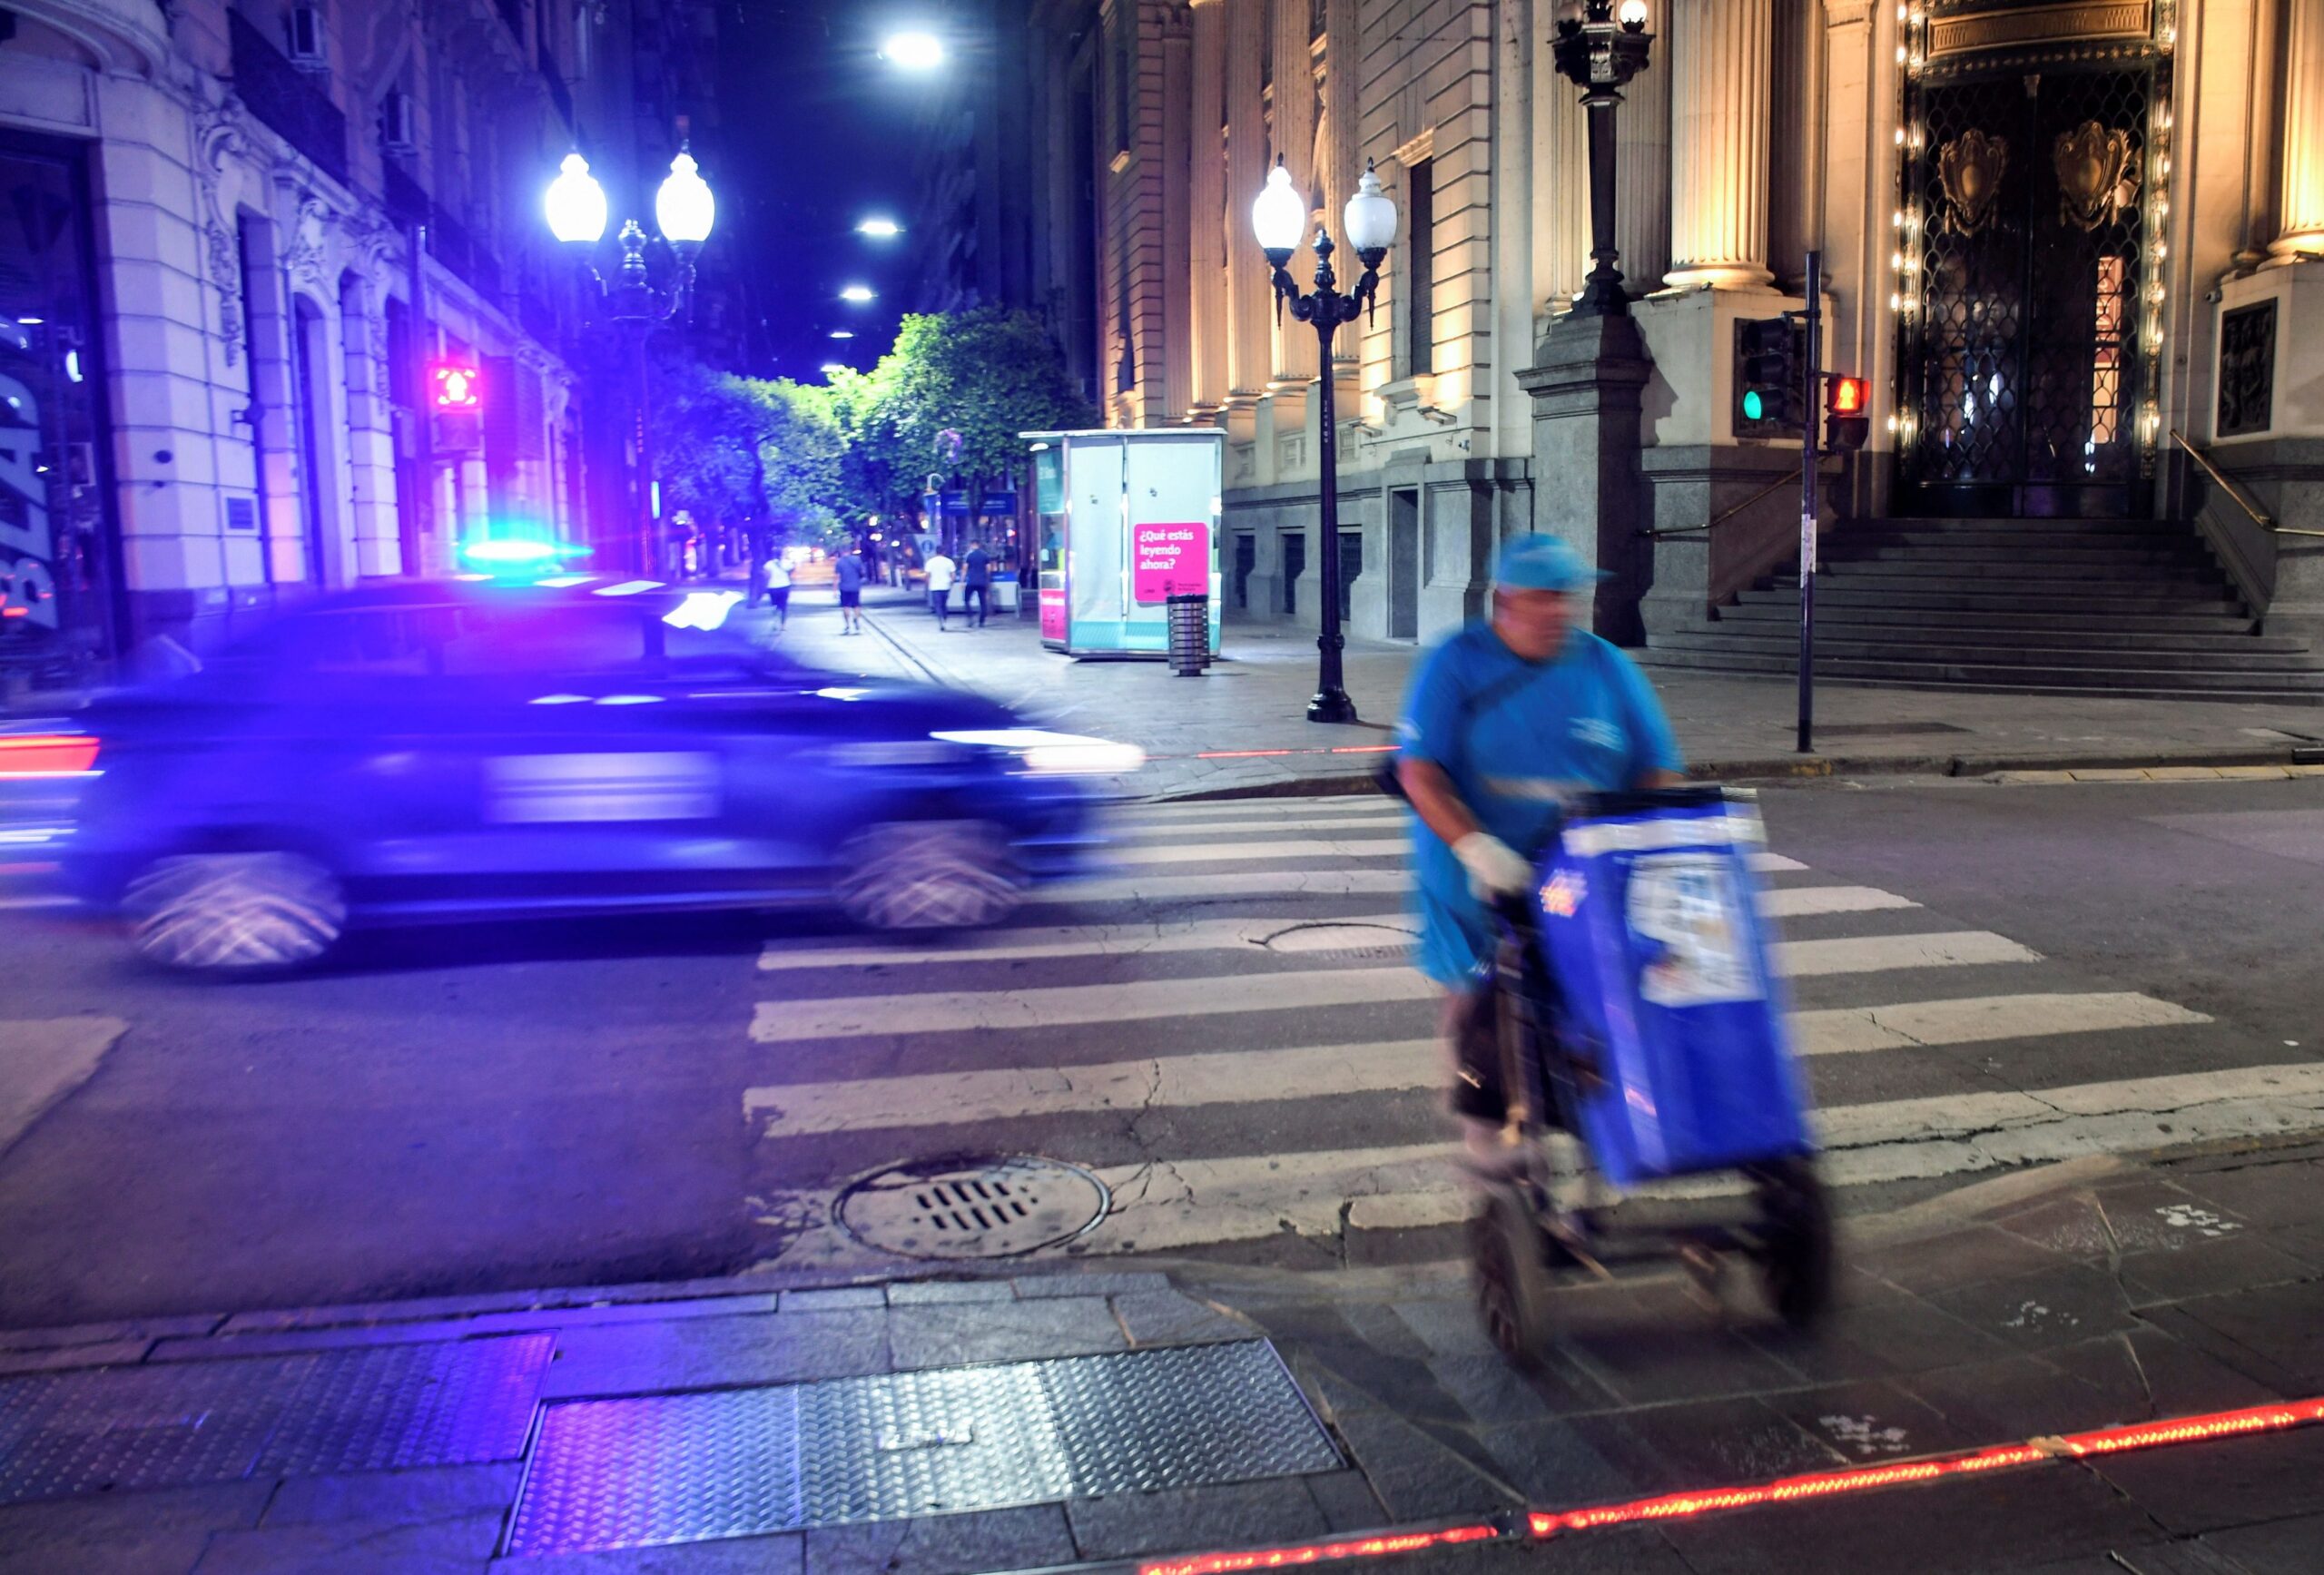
<point x="938" y="601"/>
<point x="851" y="598"/>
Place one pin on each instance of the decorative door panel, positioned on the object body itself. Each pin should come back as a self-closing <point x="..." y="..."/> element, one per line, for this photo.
<point x="2022" y="370"/>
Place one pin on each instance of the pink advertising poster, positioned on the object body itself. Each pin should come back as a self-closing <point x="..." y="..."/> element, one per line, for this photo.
<point x="1170" y="560"/>
<point x="1053" y="616"/>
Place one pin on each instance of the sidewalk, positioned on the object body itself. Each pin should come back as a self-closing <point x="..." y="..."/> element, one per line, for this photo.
<point x="1241" y="728"/>
<point x="1097" y="1419"/>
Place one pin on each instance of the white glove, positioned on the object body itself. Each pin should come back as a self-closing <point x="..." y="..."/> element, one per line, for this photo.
<point x="1495" y="869"/>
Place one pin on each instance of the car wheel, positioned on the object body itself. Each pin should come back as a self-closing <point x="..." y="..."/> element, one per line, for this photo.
<point x="235" y="913"/>
<point x="927" y="875"/>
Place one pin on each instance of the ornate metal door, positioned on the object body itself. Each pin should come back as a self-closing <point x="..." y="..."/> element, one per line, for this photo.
<point x="2024" y="366"/>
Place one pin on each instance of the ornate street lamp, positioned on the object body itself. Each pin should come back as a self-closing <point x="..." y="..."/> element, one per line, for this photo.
<point x="1599" y="55"/>
<point x="1280" y="217"/>
<point x="684" y="211"/>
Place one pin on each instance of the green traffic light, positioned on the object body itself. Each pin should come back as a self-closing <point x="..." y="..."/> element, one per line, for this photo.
<point x="1754" y="407"/>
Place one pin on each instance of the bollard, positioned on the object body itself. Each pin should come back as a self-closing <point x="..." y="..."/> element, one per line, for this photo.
<point x="1189" y="636"/>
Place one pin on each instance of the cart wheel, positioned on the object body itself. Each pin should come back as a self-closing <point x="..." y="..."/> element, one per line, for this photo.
<point x="1512" y="1258"/>
<point x="1798" y="1241"/>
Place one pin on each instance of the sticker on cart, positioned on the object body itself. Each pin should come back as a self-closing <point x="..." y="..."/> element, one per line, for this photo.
<point x="1689" y="905"/>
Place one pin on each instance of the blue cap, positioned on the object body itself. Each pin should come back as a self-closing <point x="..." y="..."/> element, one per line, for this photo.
<point x="1541" y="563"/>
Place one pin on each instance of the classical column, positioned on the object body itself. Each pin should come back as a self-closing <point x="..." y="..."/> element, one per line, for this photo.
<point x="1642" y="165"/>
<point x="1561" y="185"/>
<point x="1722" y="67"/>
<point x="1206" y="231"/>
<point x="1342" y="64"/>
<point x="1293" y="124"/>
<point x="2299" y="225"/>
<point x="1250" y="349"/>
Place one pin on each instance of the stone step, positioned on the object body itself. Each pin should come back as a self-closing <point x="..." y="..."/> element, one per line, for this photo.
<point x="2031" y="603"/>
<point x="2076" y="528"/>
<point x="2114" y="682"/>
<point x="1785" y="611"/>
<point x="1844" y="642"/>
<point x="2035" y="560"/>
<point x="2030" y="577"/>
<point x="2112" y="636"/>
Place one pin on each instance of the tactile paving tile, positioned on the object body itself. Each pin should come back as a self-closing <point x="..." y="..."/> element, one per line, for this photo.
<point x="173" y="1425"/>
<point x="663" y="1468"/>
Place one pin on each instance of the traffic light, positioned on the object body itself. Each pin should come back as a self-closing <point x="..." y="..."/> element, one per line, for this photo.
<point x="1846" y="420"/>
<point x="1772" y="357"/>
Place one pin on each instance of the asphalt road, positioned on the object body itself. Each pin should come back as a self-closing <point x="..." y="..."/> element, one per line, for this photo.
<point x="554" y="1104"/>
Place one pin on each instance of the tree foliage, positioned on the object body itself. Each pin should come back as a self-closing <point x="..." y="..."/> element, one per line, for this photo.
<point x="949" y="400"/>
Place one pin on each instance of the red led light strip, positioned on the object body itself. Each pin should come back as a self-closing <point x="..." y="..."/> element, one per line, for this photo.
<point x="1825" y="1484"/>
<point x="2257" y="1419"/>
<point x="1322" y="1552"/>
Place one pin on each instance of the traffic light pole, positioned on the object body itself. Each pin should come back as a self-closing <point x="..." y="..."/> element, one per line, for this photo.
<point x="1810" y="426"/>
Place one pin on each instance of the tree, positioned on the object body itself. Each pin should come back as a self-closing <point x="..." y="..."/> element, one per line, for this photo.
<point x="952" y="396"/>
<point x="707" y="430"/>
<point x="802" y="455"/>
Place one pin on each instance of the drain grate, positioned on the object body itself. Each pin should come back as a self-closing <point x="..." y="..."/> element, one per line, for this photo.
<point x="972" y="1207"/>
<point x="173" y="1425"/>
<point x="662" y="1468"/>
<point x="1345" y="940"/>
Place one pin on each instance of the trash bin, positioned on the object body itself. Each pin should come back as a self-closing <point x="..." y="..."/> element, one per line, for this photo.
<point x="1189" y="636"/>
<point x="1650" y="918"/>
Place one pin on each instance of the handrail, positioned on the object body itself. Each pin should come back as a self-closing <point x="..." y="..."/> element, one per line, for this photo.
<point x="1787" y="479"/>
<point x="2226" y="482"/>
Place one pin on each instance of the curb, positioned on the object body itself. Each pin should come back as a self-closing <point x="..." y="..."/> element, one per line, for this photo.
<point x="1813" y="767"/>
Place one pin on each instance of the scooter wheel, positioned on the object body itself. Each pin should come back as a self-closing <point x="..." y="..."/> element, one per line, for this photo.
<point x="1795" y="1225"/>
<point x="1514" y="1285"/>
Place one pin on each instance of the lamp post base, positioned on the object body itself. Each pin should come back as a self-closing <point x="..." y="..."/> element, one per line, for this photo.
<point x="1330" y="705"/>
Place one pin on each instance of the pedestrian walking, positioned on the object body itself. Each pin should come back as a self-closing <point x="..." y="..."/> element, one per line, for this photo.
<point x="778" y="590"/>
<point x="941" y="572"/>
<point x="975" y="582"/>
<point x="850" y="570"/>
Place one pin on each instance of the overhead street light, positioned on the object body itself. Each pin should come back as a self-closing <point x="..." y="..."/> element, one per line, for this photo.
<point x="1279" y="217"/>
<point x="842" y="333"/>
<point x="833" y="368"/>
<point x="857" y="293"/>
<point x="577" y="210"/>
<point x="880" y="228"/>
<point x="913" y="51"/>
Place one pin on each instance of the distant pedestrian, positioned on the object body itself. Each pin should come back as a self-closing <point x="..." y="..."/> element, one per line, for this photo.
<point x="941" y="572"/>
<point x="778" y="591"/>
<point x="976" y="579"/>
<point x="850" y="570"/>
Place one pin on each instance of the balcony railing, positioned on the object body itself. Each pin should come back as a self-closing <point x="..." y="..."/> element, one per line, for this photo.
<point x="284" y="99"/>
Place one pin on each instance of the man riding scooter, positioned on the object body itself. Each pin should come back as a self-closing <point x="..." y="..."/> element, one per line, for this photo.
<point x="1512" y="717"/>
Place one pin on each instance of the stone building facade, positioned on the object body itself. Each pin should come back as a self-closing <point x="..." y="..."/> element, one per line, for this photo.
<point x="238" y="233"/>
<point x="2041" y="324"/>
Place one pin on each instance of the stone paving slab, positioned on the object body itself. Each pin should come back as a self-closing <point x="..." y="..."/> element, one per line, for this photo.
<point x="2161" y="1290"/>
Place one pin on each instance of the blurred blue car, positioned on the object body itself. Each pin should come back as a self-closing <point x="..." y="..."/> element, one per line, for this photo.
<point x="432" y="751"/>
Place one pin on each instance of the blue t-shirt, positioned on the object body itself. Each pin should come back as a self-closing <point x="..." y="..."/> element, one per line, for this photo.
<point x="1518" y="739"/>
<point x="850" y="572"/>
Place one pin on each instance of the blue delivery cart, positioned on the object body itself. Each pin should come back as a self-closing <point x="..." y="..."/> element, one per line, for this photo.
<point x="1631" y="1004"/>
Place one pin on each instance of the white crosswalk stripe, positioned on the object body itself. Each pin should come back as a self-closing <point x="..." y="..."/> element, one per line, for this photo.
<point x="1317" y="959"/>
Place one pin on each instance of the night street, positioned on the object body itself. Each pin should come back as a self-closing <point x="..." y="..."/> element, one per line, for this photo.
<point x="1224" y="1033"/>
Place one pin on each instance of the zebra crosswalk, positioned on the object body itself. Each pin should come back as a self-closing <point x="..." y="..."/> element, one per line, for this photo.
<point x="1237" y="1049"/>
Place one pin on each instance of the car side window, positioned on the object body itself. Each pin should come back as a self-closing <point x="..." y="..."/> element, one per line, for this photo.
<point x="508" y="642"/>
<point x="354" y="642"/>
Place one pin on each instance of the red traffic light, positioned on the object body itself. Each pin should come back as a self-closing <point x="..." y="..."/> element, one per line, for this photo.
<point x="453" y="387"/>
<point x="1846" y="395"/>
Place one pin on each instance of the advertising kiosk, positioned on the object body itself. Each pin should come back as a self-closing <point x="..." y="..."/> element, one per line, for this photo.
<point x="1123" y="522"/>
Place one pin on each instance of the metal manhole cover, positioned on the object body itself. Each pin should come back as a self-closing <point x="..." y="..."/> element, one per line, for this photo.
<point x="1357" y="941"/>
<point x="972" y="1207"/>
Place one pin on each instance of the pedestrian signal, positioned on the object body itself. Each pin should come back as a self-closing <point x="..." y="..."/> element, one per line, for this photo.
<point x="1846" y="419"/>
<point x="452" y="386"/>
